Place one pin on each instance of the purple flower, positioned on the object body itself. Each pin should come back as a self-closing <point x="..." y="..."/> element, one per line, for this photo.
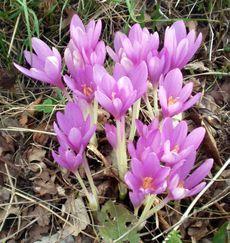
<point x="176" y="143"/>
<point x="117" y="94"/>
<point x="149" y="140"/>
<point x="173" y="98"/>
<point x="143" y="129"/>
<point x="83" y="52"/>
<point x="181" y="184"/>
<point x="73" y="133"/>
<point x="45" y="64"/>
<point x="157" y="65"/>
<point x="180" y="46"/>
<point x="146" y="177"/>
<point x="138" y="75"/>
<point x="83" y="85"/>
<point x="136" y="46"/>
<point x="111" y="134"/>
<point x="86" y="40"/>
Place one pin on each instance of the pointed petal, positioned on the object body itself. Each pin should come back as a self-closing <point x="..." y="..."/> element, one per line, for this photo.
<point x="195" y="138"/>
<point x="199" y="174"/>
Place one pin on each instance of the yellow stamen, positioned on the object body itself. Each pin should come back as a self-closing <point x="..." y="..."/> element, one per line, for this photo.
<point x="181" y="184"/>
<point x="147" y="183"/>
<point x="87" y="91"/>
<point x="172" y="100"/>
<point x="176" y="148"/>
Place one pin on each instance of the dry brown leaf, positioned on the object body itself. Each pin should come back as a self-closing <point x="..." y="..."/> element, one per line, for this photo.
<point x="78" y="215"/>
<point x="36" y="154"/>
<point x="42" y="215"/>
<point x="30" y="110"/>
<point x="43" y="188"/>
<point x="6" y="144"/>
<point x="7" y="78"/>
<point x="6" y="212"/>
<point x="60" y="237"/>
<point x="4" y="194"/>
<point x="197" y="66"/>
<point x="198" y="229"/>
<point x="36" y="232"/>
<point x="209" y="141"/>
<point x="192" y="25"/>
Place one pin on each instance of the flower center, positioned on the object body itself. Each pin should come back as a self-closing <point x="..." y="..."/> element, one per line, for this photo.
<point x="181" y="184"/>
<point x="176" y="148"/>
<point x="147" y="183"/>
<point x="113" y="95"/>
<point x="87" y="91"/>
<point x="172" y="100"/>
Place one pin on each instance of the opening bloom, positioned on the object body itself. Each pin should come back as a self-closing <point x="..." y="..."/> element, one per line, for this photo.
<point x="46" y="63"/>
<point x="181" y="184"/>
<point x="146" y="177"/>
<point x="82" y="84"/>
<point x="177" y="144"/>
<point x="73" y="133"/>
<point x="83" y="52"/>
<point x="117" y="94"/>
<point x="136" y="46"/>
<point x="180" y="46"/>
<point x="86" y="40"/>
<point x="174" y="98"/>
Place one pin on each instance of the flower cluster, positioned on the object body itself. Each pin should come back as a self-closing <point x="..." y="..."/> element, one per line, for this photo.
<point x="170" y="151"/>
<point x="73" y="133"/>
<point x="164" y="154"/>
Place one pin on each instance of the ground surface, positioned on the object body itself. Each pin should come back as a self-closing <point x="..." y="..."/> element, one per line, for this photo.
<point x="37" y="199"/>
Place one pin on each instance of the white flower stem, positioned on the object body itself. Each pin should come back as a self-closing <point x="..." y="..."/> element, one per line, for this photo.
<point x="94" y="110"/>
<point x="121" y="155"/>
<point x="135" y="115"/>
<point x="149" y="211"/>
<point x="87" y="194"/>
<point x="91" y="183"/>
<point x="148" y="204"/>
<point x="149" y="107"/>
<point x="155" y="99"/>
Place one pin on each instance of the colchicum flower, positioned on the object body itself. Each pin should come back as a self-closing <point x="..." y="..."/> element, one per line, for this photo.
<point x="181" y="184"/>
<point x="82" y="53"/>
<point x="73" y="133"/>
<point x="117" y="94"/>
<point x="111" y="135"/>
<point x="146" y="177"/>
<point x="135" y="47"/>
<point x="82" y="85"/>
<point x="86" y="40"/>
<point x="176" y="143"/>
<point x="174" y="98"/>
<point x="46" y="64"/>
<point x="180" y="46"/>
<point x="149" y="140"/>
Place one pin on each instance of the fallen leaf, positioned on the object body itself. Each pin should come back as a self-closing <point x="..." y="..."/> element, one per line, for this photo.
<point x="79" y="217"/>
<point x="41" y="138"/>
<point x="60" y="237"/>
<point x="42" y="215"/>
<point x="7" y="78"/>
<point x="197" y="66"/>
<point x="209" y="142"/>
<point x="30" y="109"/>
<point x="36" y="154"/>
<point x="43" y="187"/>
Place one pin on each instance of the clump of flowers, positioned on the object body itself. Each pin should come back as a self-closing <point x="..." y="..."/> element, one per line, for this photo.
<point x="163" y="154"/>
